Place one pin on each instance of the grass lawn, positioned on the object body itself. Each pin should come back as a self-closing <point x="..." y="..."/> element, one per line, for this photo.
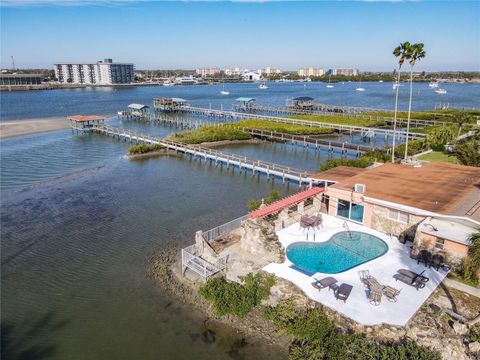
<point x="439" y="156"/>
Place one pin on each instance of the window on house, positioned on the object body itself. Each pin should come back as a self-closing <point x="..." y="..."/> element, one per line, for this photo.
<point x="439" y="243"/>
<point x="343" y="208"/>
<point x="399" y="216"/>
<point x="349" y="210"/>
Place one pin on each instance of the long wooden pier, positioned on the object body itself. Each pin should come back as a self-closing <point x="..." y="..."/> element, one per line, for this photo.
<point x="309" y="141"/>
<point x="271" y="170"/>
<point x="310" y="123"/>
<point x="389" y="120"/>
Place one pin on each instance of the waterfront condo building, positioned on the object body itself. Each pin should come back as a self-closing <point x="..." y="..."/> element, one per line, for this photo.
<point x="346" y="72"/>
<point x="204" y="72"/>
<point x="104" y="72"/>
<point x="311" y="71"/>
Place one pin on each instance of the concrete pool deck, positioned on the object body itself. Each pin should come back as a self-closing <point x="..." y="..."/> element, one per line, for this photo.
<point x="357" y="307"/>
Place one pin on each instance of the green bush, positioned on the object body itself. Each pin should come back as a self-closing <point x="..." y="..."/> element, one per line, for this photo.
<point x="468" y="154"/>
<point x="230" y="298"/>
<point x="332" y="163"/>
<point x="336" y="119"/>
<point x="142" y="149"/>
<point x="273" y="196"/>
<point x="210" y="134"/>
<point x="282" y="128"/>
<point x="414" y="147"/>
<point x="316" y="337"/>
<point x="440" y="136"/>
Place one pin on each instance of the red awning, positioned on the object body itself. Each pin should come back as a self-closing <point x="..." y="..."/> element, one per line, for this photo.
<point x="279" y="205"/>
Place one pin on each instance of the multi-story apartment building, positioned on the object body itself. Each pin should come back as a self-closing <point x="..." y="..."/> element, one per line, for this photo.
<point x="311" y="71"/>
<point x="346" y="72"/>
<point x="104" y="72"/>
<point x="203" y="72"/>
<point x="269" y="71"/>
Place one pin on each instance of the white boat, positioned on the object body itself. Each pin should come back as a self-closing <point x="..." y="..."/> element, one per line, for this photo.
<point x="380" y="80"/>
<point x="263" y="86"/>
<point x="441" y="91"/>
<point x="329" y="85"/>
<point x="433" y="85"/>
<point x="359" y="87"/>
<point x="223" y="91"/>
<point x="168" y="83"/>
<point x="395" y="85"/>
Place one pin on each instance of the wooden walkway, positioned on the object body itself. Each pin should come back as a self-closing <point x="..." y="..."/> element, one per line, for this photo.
<point x="278" y="111"/>
<point x="271" y="170"/>
<point x="309" y="141"/>
<point x="284" y="120"/>
<point x="173" y="121"/>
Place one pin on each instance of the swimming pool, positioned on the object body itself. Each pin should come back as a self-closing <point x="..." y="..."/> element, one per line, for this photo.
<point x="341" y="252"/>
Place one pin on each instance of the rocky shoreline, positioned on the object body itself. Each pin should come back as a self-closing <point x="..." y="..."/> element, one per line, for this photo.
<point x="430" y="326"/>
<point x="164" y="268"/>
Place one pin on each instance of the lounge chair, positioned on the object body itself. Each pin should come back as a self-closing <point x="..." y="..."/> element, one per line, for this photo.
<point x="414" y="274"/>
<point x="436" y="261"/>
<point x="343" y="292"/>
<point x="323" y="283"/>
<point x="391" y="293"/>
<point x="367" y="279"/>
<point x="424" y="256"/>
<point x="364" y="276"/>
<point x="375" y="298"/>
<point x="415" y="281"/>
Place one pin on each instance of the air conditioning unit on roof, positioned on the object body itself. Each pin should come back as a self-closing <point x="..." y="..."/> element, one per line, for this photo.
<point x="360" y="188"/>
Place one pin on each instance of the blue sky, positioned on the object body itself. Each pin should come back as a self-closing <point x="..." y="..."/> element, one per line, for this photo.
<point x="288" y="35"/>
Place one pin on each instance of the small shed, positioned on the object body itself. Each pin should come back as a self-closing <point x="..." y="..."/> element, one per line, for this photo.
<point x="302" y="102"/>
<point x="137" y="109"/>
<point x="246" y="101"/>
<point x="169" y="104"/>
<point x="85" y="122"/>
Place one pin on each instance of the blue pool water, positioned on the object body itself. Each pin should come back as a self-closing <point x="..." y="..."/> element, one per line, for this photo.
<point x="340" y="253"/>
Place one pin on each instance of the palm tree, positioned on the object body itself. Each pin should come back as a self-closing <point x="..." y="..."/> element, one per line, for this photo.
<point x="399" y="52"/>
<point x="415" y="53"/>
<point x="460" y="119"/>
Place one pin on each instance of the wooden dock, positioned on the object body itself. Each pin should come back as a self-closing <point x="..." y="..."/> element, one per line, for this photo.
<point x="350" y="129"/>
<point x="359" y="115"/>
<point x="309" y="141"/>
<point x="271" y="170"/>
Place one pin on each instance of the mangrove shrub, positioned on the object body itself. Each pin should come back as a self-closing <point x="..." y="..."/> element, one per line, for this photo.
<point x="316" y="337"/>
<point x="231" y="298"/>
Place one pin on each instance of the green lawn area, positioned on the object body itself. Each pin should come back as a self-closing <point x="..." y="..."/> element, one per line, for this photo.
<point x="337" y="119"/>
<point x="439" y="156"/>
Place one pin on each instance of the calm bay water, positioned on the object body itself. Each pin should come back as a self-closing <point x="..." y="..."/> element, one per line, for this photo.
<point x="107" y="101"/>
<point x="79" y="221"/>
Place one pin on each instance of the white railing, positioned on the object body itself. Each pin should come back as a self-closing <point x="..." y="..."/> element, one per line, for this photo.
<point x="218" y="231"/>
<point x="191" y="259"/>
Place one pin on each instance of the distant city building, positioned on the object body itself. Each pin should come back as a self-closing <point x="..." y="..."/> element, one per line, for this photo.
<point x="21" y="79"/>
<point x="104" y="72"/>
<point x="235" y="71"/>
<point x="203" y="72"/>
<point x="251" y="76"/>
<point x="269" y="71"/>
<point x="346" y="72"/>
<point x="311" y="71"/>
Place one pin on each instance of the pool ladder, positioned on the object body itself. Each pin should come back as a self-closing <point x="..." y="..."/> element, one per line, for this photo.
<point x="345" y="225"/>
